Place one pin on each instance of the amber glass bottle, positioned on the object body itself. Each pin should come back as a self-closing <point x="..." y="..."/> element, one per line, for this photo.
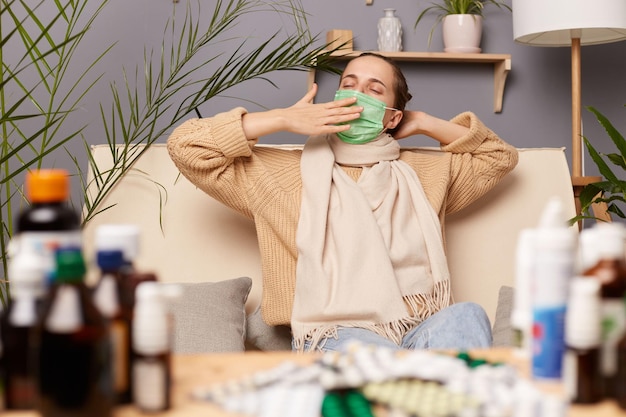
<point x="107" y="296"/>
<point x="610" y="271"/>
<point x="74" y="371"/>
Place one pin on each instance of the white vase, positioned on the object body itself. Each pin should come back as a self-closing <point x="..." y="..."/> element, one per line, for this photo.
<point x="389" y="32"/>
<point x="462" y="33"/>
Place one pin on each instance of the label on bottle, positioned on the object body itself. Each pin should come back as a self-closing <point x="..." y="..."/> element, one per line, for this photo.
<point x="46" y="243"/>
<point x="548" y="342"/>
<point x="150" y="384"/>
<point x="65" y="314"/>
<point x="613" y="328"/>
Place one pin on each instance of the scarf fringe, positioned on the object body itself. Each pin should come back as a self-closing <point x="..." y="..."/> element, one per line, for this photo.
<point x="425" y="305"/>
<point x="422" y="307"/>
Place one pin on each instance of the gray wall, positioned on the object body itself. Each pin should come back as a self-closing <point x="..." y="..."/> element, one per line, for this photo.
<point x="536" y="107"/>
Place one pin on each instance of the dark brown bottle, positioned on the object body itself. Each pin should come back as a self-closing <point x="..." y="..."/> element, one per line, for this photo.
<point x="582" y="378"/>
<point x="610" y="271"/>
<point x="125" y="238"/>
<point x="48" y="222"/>
<point x="17" y="326"/>
<point x="74" y="372"/>
<point x="107" y="295"/>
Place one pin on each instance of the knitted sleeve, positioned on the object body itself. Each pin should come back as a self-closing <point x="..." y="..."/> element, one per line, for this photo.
<point x="209" y="153"/>
<point x="479" y="160"/>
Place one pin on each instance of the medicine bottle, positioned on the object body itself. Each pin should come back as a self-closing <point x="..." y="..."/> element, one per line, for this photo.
<point x="151" y="347"/>
<point x="17" y="326"/>
<point x="610" y="271"/>
<point x="556" y="246"/>
<point x="74" y="346"/>
<point x="582" y="378"/>
<point x="125" y="238"/>
<point x="107" y="295"/>
<point x="49" y="222"/>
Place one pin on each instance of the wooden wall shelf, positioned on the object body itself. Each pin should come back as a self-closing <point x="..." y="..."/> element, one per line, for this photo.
<point x="501" y="64"/>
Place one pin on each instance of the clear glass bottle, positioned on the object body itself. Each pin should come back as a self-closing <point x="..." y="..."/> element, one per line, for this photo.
<point x="49" y="222"/>
<point x="107" y="296"/>
<point x="610" y="271"/>
<point x="74" y="371"/>
<point x="27" y="273"/>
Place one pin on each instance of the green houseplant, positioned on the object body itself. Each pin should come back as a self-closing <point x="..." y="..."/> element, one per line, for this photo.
<point x="40" y="91"/>
<point x="443" y="8"/>
<point x="612" y="189"/>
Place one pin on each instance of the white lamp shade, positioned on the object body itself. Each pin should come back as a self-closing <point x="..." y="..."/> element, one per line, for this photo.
<point x="555" y="22"/>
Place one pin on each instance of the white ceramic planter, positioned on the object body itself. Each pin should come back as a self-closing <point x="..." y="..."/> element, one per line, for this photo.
<point x="462" y="33"/>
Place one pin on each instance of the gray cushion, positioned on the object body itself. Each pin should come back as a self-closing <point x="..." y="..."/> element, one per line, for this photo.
<point x="502" y="332"/>
<point x="264" y="337"/>
<point x="268" y="338"/>
<point x="211" y="316"/>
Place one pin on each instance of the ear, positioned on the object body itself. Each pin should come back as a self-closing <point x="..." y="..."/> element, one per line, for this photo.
<point x="394" y="120"/>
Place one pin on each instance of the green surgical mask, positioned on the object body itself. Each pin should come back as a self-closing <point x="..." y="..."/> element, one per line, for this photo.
<point x="370" y="124"/>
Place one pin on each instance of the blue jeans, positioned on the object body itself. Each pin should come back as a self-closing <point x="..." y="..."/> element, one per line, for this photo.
<point x="461" y="326"/>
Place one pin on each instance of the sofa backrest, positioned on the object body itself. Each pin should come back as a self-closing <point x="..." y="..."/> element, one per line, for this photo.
<point x="187" y="236"/>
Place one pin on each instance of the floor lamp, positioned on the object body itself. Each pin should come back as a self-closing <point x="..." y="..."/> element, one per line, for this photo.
<point x="570" y="23"/>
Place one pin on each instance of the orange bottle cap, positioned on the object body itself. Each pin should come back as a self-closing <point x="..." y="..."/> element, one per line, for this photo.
<point x="47" y="185"/>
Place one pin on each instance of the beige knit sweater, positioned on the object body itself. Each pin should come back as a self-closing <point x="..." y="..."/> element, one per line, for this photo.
<point x="264" y="184"/>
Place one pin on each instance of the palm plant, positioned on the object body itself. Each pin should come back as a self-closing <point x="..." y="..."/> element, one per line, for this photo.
<point x="443" y="8"/>
<point x="612" y="190"/>
<point x="38" y="97"/>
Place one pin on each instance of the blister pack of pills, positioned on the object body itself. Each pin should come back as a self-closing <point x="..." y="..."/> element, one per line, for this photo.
<point x="403" y="383"/>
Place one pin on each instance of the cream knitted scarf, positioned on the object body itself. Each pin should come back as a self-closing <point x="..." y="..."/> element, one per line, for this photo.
<point x="370" y="253"/>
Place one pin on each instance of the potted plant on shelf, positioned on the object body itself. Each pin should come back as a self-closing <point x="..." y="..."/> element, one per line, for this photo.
<point x="43" y="84"/>
<point x="612" y="189"/>
<point x="461" y="22"/>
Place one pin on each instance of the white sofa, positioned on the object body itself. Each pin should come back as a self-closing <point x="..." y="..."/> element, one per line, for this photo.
<point x="188" y="237"/>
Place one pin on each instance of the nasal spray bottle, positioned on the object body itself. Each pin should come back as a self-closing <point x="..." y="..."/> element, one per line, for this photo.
<point x="152" y="335"/>
<point x="556" y="245"/>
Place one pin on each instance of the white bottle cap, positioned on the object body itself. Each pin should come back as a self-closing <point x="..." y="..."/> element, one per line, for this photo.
<point x="124" y="237"/>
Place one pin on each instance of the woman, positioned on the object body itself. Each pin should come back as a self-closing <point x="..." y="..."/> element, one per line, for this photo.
<point x="350" y="228"/>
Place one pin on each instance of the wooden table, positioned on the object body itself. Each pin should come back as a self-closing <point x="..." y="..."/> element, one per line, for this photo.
<point x="194" y="371"/>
